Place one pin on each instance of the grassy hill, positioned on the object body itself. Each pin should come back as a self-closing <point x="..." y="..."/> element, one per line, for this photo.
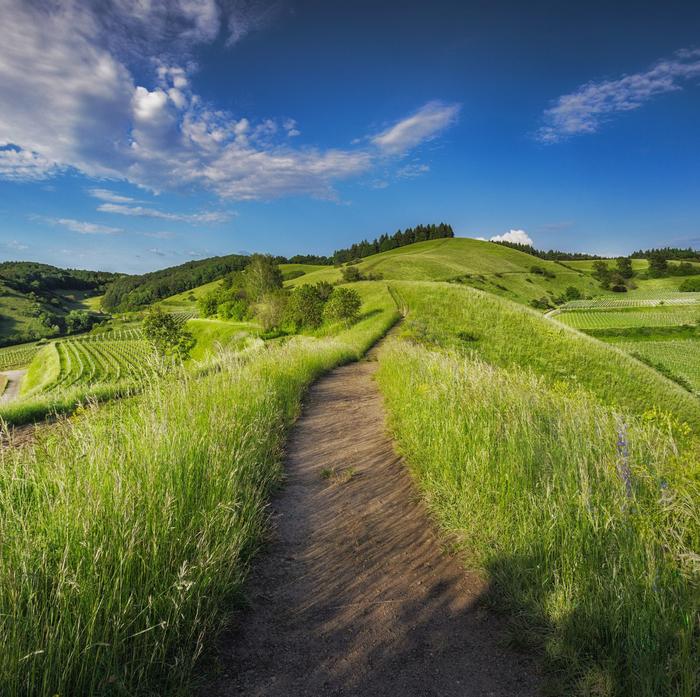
<point x="484" y="265"/>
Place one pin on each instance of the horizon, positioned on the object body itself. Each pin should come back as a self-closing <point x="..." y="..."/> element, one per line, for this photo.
<point x="138" y="136"/>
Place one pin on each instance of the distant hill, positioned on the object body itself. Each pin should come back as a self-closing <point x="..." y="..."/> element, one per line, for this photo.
<point x="132" y="292"/>
<point x="35" y="299"/>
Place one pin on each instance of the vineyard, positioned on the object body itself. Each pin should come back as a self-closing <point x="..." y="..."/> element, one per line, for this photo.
<point x="17" y="356"/>
<point x="99" y="358"/>
<point x="660" y="316"/>
<point x="681" y="357"/>
<point x="639" y="299"/>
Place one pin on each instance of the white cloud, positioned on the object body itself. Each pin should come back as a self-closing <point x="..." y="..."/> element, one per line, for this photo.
<point x="85" y="228"/>
<point x="586" y="109"/>
<point x="22" y="165"/>
<point x="80" y="106"/>
<point x="110" y="196"/>
<point x="515" y="236"/>
<point x="426" y="123"/>
<point x="143" y="212"/>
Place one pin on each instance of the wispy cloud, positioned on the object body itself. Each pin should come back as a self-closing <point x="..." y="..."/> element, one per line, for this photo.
<point x="412" y="171"/>
<point x="143" y="212"/>
<point x="425" y="124"/>
<point x="164" y="235"/>
<point x="15" y="245"/>
<point x="592" y="104"/>
<point x="110" y="196"/>
<point x="81" y="105"/>
<point x="83" y="227"/>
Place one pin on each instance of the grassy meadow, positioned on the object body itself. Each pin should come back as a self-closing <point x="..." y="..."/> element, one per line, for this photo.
<point x="565" y="469"/>
<point x="116" y="569"/>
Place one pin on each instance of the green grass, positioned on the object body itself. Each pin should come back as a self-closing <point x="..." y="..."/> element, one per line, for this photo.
<point x="127" y="532"/>
<point x="508" y="335"/>
<point x="213" y="335"/>
<point x="491" y="267"/>
<point x="680" y="357"/>
<point x="585" y="519"/>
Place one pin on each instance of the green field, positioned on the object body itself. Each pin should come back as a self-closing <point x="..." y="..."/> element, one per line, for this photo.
<point x="680" y="357"/>
<point x="659" y="316"/>
<point x="17" y="356"/>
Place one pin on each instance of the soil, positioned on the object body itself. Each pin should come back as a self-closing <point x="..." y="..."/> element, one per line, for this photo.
<point x="14" y="380"/>
<point x="355" y="594"/>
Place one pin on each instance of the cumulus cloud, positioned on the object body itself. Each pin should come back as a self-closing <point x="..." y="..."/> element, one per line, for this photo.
<point x="425" y="124"/>
<point x="591" y="105"/>
<point x="81" y="107"/>
<point x="83" y="227"/>
<point x="515" y="236"/>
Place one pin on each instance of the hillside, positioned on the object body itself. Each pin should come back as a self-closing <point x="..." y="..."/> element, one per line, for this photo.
<point x="134" y="292"/>
<point x="36" y="298"/>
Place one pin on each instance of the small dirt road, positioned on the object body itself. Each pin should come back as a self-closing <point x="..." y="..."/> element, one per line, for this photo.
<point x="14" y="380"/>
<point x="355" y="595"/>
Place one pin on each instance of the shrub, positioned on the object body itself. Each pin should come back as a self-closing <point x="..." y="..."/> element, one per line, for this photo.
<point x="343" y="305"/>
<point x="690" y="285"/>
<point x="351" y="274"/>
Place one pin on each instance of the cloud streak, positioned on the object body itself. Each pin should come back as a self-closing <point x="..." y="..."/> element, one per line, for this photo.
<point x="595" y="103"/>
<point x="144" y="212"/>
<point x="86" y="228"/>
<point x="425" y="124"/>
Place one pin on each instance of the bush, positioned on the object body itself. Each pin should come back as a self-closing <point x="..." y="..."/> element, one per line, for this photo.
<point x="343" y="306"/>
<point x="690" y="285"/>
<point x="351" y="274"/>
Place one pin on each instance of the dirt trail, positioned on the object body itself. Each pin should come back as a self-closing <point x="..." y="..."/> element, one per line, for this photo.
<point x="14" y="380"/>
<point x="354" y="595"/>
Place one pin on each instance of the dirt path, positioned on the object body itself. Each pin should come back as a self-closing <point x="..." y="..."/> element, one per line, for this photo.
<point x="355" y="596"/>
<point x="14" y="380"/>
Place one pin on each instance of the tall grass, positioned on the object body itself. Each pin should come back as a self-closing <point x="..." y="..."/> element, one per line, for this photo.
<point x="509" y="335"/>
<point x="586" y="520"/>
<point x="126" y="532"/>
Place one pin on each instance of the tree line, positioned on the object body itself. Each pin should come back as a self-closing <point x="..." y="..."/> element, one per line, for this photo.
<point x="132" y="292"/>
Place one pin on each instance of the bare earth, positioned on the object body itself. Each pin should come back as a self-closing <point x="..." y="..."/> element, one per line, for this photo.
<point x="14" y="380"/>
<point x="354" y="595"/>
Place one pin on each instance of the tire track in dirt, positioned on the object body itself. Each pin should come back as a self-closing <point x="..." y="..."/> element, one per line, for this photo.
<point x="355" y="595"/>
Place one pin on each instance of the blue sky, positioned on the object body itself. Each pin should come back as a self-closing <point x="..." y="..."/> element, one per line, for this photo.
<point x="138" y="134"/>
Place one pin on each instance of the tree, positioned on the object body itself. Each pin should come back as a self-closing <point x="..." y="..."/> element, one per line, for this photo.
<point x="343" y="306"/>
<point x="624" y="267"/>
<point x="658" y="266"/>
<point x="167" y="334"/>
<point x="261" y="276"/>
<point x="324" y="289"/>
<point x="305" y="307"/>
<point x="78" y="321"/>
<point x="272" y="310"/>
<point x="208" y="303"/>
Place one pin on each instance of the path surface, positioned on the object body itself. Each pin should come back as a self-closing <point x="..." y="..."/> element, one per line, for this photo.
<point x="14" y="380"/>
<point x="354" y="595"/>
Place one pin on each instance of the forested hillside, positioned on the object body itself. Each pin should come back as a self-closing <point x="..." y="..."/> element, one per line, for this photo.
<point x="132" y="292"/>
